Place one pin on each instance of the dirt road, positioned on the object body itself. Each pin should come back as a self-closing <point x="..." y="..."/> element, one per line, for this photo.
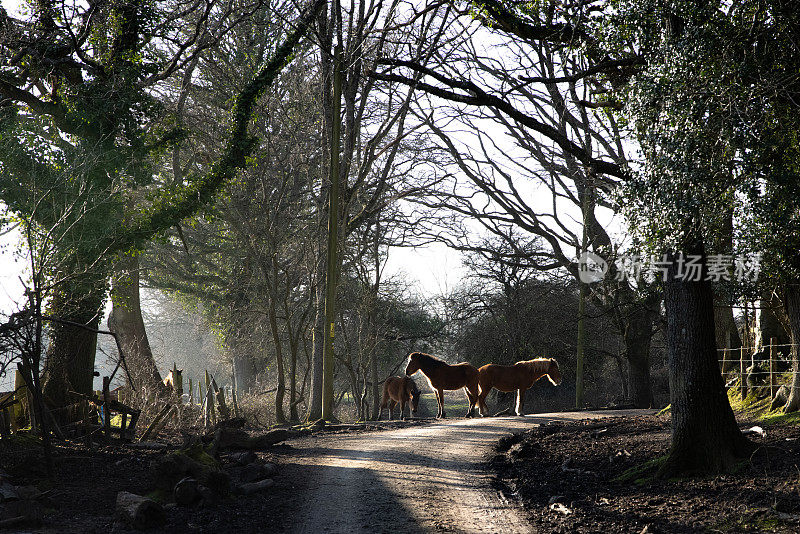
<point x="419" y="479"/>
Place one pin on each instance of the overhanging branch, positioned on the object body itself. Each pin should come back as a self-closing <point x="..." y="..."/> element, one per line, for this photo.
<point x="476" y="96"/>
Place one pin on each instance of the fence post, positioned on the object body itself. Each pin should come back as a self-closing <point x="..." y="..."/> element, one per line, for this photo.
<point x="724" y="364"/>
<point x="107" y="407"/>
<point x="772" y="381"/>
<point x="5" y="424"/>
<point x="18" y="411"/>
<point x="191" y="393"/>
<point x="211" y="416"/>
<point x="22" y="396"/>
<point x="123" y="425"/>
<point x="234" y="401"/>
<point x="742" y="377"/>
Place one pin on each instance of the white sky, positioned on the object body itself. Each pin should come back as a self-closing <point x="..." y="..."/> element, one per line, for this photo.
<point x="11" y="269"/>
<point x="11" y="6"/>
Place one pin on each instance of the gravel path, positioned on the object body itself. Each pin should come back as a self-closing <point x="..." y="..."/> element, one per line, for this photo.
<point x="419" y="479"/>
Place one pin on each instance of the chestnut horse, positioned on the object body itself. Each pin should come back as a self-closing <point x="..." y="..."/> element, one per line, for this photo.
<point x="399" y="390"/>
<point x="174" y="381"/>
<point x="442" y="375"/>
<point x="518" y="377"/>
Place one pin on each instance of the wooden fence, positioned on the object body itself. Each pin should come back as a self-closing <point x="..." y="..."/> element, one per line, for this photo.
<point x="742" y="363"/>
<point x="212" y="402"/>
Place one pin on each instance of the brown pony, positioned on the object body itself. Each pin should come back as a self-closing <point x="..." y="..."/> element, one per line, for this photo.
<point x="174" y="381"/>
<point x="518" y="377"/>
<point x="399" y="389"/>
<point x="442" y="375"/>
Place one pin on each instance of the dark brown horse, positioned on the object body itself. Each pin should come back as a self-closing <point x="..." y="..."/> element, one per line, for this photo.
<point x="402" y="390"/>
<point x="518" y="377"/>
<point x="441" y="375"/>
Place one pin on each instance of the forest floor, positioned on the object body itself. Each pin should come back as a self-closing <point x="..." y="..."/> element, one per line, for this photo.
<point x="442" y="476"/>
<point x="589" y="477"/>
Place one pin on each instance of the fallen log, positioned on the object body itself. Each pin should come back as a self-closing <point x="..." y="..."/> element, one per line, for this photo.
<point x="229" y="438"/>
<point x="194" y="462"/>
<point x="151" y="429"/>
<point x="187" y="491"/>
<point x="243" y="458"/>
<point x="255" y="472"/>
<point x="139" y="512"/>
<point x="254" y="487"/>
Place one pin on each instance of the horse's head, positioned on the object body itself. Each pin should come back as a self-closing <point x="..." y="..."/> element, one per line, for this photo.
<point x="553" y="372"/>
<point x="414" y="390"/>
<point x="174" y="380"/>
<point x="413" y="364"/>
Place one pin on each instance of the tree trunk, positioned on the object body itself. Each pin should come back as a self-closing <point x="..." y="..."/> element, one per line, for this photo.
<point x="293" y="415"/>
<point x="280" y="390"/>
<point x="705" y="436"/>
<point x="70" y="360"/>
<point x="637" y="334"/>
<point x="126" y="321"/>
<point x="791" y="301"/>
<point x="356" y="392"/>
<point x="325" y="32"/>
<point x="376" y="388"/>
<point x="639" y="390"/>
<point x="315" y="393"/>
<point x="727" y="334"/>
<point x="768" y="323"/>
<point x="372" y="321"/>
<point x="294" y="334"/>
<point x="243" y="368"/>
<point x="623" y="376"/>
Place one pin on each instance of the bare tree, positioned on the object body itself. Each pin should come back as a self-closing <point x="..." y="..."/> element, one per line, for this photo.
<point x="373" y="125"/>
<point x="533" y="150"/>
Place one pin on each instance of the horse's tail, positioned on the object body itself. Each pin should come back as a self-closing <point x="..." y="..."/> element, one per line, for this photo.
<point x="385" y="396"/>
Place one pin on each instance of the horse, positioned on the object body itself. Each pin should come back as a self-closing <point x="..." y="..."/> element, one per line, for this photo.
<point x="399" y="390"/>
<point x="174" y="381"/>
<point x="518" y="377"/>
<point x="442" y="375"/>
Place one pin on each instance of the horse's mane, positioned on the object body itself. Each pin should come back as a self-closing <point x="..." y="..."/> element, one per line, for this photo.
<point x="432" y="360"/>
<point x="540" y="364"/>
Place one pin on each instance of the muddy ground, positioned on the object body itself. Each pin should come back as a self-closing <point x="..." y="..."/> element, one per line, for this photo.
<point x="81" y="496"/>
<point x="568" y="478"/>
<point x="575" y="465"/>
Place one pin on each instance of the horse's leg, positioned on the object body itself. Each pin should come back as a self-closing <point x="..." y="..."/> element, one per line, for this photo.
<point x="440" y="393"/>
<point x="520" y="401"/>
<point x="392" y="404"/>
<point x="403" y="409"/>
<point x="482" y="400"/>
<point x="472" y="393"/>
<point x="472" y="400"/>
<point x="473" y="403"/>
